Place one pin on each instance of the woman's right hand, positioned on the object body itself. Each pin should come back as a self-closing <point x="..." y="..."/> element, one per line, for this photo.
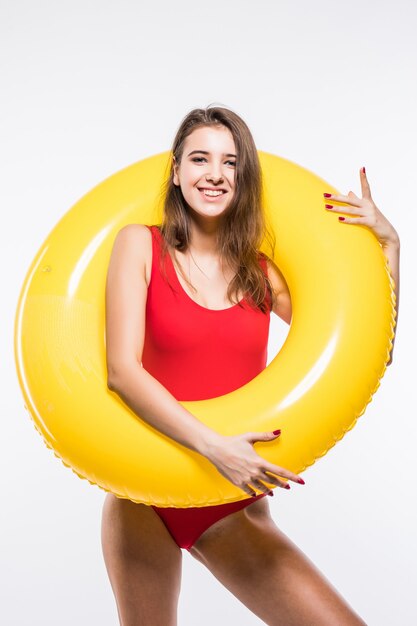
<point x="235" y="458"/>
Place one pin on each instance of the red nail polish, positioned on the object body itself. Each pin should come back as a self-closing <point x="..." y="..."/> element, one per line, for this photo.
<point x="287" y="486"/>
<point x="341" y="219"/>
<point x="270" y="493"/>
<point x="300" y="480"/>
<point x="328" y="206"/>
<point x="276" y="432"/>
<point x="363" y="170"/>
<point x="327" y="195"/>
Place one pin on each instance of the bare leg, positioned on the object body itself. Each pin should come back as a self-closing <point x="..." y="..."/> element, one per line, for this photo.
<point x="252" y="558"/>
<point x="143" y="563"/>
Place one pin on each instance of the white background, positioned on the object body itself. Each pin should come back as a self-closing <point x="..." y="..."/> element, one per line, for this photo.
<point x="91" y="86"/>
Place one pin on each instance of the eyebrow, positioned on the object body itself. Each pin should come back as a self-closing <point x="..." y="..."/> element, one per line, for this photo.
<point x="205" y="152"/>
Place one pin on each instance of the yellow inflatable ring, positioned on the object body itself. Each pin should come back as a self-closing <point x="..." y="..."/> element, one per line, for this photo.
<point x="314" y="390"/>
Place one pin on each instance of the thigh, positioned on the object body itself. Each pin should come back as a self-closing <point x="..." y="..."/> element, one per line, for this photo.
<point x="266" y="571"/>
<point x="143" y="563"/>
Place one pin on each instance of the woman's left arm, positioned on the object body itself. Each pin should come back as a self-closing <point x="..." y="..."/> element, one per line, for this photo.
<point x="384" y="231"/>
<point x="392" y="252"/>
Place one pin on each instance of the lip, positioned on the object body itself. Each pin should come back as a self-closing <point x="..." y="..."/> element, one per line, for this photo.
<point x="212" y="198"/>
<point x="212" y="189"/>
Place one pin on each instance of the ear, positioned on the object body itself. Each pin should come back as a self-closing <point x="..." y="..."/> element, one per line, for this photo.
<point x="175" y="178"/>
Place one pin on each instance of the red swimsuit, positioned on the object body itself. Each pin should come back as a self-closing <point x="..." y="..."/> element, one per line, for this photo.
<point x="199" y="353"/>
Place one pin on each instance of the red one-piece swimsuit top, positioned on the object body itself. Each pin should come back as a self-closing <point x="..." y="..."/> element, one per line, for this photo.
<point x="199" y="353"/>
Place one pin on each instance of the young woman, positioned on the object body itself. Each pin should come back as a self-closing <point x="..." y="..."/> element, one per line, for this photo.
<point x="187" y="318"/>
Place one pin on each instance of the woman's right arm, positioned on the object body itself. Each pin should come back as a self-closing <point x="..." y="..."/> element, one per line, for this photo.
<point x="126" y="294"/>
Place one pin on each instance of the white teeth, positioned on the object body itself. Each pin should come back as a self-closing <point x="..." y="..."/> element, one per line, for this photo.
<point x="211" y="192"/>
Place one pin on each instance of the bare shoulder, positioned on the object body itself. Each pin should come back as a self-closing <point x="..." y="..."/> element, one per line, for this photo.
<point x="276" y="277"/>
<point x="282" y="307"/>
<point x="133" y="243"/>
<point x="137" y="233"/>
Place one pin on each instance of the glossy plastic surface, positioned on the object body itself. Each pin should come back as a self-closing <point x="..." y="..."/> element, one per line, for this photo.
<point x="314" y="390"/>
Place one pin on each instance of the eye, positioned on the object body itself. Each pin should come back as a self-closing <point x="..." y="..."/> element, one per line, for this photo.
<point x="200" y="159"/>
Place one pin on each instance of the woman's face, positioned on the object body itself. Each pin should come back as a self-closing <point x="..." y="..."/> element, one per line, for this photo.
<point x="206" y="173"/>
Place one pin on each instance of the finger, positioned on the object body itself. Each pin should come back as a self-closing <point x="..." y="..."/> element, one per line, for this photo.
<point x="343" y="209"/>
<point x="253" y="437"/>
<point x="280" y="471"/>
<point x="353" y="200"/>
<point x="366" y="190"/>
<point x="258" y="484"/>
<point x="275" y="482"/>
<point x="354" y="220"/>
<point x="249" y="490"/>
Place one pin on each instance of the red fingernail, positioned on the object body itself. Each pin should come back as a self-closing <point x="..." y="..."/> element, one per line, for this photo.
<point x="276" y="432"/>
<point x="327" y="195"/>
<point x="300" y="480"/>
<point x="363" y="170"/>
<point x="341" y="219"/>
<point x="271" y="493"/>
<point x="328" y="206"/>
<point x="287" y="486"/>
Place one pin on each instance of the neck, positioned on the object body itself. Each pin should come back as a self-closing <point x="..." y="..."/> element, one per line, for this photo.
<point x="204" y="236"/>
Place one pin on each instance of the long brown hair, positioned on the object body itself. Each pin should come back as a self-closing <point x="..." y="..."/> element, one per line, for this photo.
<point x="243" y="226"/>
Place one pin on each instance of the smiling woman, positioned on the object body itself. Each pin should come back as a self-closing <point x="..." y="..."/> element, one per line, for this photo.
<point x="186" y="361"/>
<point x="203" y="333"/>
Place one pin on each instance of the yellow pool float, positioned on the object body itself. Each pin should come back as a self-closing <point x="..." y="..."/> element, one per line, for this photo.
<point x="316" y="387"/>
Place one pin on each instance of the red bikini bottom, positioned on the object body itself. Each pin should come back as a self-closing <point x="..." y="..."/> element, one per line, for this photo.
<point x="186" y="525"/>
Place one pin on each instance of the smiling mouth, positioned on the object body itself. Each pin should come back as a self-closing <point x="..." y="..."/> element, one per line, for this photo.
<point x="212" y="193"/>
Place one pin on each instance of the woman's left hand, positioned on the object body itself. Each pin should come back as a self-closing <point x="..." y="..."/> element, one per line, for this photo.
<point x="369" y="214"/>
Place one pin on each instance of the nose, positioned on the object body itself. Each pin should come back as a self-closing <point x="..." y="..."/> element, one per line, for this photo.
<point x="214" y="177"/>
<point x="215" y="174"/>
